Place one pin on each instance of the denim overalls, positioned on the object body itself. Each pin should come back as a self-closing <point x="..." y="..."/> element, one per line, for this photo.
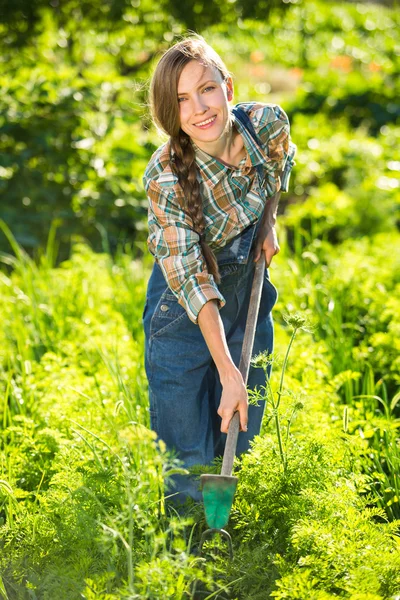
<point x="184" y="385"/>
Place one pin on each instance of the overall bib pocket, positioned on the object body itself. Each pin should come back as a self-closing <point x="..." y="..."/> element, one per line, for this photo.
<point x="167" y="314"/>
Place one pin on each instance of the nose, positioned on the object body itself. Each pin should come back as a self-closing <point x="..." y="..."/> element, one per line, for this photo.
<point x="199" y="105"/>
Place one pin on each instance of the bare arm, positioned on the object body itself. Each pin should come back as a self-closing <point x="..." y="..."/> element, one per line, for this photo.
<point x="234" y="394"/>
<point x="267" y="240"/>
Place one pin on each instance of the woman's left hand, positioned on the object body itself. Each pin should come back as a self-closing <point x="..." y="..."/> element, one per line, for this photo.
<point x="267" y="243"/>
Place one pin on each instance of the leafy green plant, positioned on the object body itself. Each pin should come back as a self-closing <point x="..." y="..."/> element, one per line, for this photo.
<point x="266" y="393"/>
<point x="373" y="418"/>
<point x="307" y="530"/>
<point x="82" y="506"/>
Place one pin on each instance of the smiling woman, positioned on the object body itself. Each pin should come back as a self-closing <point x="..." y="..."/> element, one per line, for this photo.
<point x="205" y="108"/>
<point x="213" y="190"/>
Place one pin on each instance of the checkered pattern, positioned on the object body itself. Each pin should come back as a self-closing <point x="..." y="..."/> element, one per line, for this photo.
<point x="232" y="200"/>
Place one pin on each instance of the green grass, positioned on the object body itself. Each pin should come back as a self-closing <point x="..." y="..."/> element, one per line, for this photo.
<point x="82" y="481"/>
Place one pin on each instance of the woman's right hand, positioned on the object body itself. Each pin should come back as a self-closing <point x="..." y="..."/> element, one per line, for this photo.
<point x="233" y="398"/>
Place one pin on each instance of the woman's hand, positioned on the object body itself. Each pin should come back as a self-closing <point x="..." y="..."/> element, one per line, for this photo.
<point x="233" y="398"/>
<point x="267" y="242"/>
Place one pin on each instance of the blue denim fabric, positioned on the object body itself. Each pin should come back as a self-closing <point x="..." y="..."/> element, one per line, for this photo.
<point x="184" y="385"/>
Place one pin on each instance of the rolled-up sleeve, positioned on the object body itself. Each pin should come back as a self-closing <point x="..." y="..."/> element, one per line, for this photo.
<point x="177" y="250"/>
<point x="274" y="130"/>
<point x="281" y="147"/>
<point x="289" y="164"/>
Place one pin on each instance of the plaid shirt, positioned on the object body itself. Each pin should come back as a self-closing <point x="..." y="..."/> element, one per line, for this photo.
<point x="232" y="200"/>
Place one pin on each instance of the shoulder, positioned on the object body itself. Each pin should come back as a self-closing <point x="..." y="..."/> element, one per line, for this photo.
<point x="158" y="171"/>
<point x="267" y="119"/>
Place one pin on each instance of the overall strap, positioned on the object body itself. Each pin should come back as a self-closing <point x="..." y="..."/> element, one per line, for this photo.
<point x="242" y="116"/>
<point x="245" y="120"/>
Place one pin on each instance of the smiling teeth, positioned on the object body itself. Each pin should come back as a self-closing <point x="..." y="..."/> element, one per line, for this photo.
<point x="205" y="122"/>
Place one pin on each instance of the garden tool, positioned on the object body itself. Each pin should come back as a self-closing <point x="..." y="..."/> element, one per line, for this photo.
<point x="219" y="490"/>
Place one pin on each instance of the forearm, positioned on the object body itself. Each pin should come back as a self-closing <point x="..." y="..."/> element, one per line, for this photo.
<point x="266" y="237"/>
<point x="234" y="393"/>
<point x="212" y="328"/>
<point x="268" y="219"/>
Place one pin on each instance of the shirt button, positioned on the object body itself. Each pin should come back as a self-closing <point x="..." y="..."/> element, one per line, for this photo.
<point x="164" y="307"/>
<point x="241" y="257"/>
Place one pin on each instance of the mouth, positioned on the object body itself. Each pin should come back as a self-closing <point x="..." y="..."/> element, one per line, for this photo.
<point x="207" y="123"/>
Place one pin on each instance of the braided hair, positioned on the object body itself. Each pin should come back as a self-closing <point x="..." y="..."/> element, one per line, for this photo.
<point x="165" y="112"/>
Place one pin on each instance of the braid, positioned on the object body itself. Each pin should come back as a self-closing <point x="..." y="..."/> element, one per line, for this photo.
<point x="166" y="114"/>
<point x="184" y="166"/>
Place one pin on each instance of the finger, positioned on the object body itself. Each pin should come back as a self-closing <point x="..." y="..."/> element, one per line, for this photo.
<point x="257" y="253"/>
<point x="268" y="258"/>
<point x="276" y="249"/>
<point x="226" y="419"/>
<point x="243" y="414"/>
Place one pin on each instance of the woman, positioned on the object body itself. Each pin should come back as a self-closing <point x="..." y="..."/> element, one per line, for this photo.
<point x="213" y="190"/>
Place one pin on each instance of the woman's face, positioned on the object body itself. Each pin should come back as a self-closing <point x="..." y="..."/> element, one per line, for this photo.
<point x="203" y="98"/>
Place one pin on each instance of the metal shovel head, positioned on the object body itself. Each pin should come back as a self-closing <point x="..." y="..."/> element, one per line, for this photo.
<point x="218" y="493"/>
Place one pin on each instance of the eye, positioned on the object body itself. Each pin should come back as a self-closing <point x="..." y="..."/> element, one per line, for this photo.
<point x="209" y="87"/>
<point x="181" y="99"/>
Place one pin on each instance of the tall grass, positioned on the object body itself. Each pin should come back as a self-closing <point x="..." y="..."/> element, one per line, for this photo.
<point x="373" y="418"/>
<point x="82" y="477"/>
<point x="82" y="510"/>
<point x="354" y="305"/>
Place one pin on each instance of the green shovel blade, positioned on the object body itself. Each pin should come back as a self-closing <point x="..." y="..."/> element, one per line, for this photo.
<point x="218" y="493"/>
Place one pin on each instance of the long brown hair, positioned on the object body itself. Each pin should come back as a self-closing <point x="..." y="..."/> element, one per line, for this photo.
<point x="165" y="112"/>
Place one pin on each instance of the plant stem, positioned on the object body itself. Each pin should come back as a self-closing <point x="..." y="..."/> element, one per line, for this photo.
<point x="277" y="423"/>
<point x="284" y="367"/>
<point x="278" y="433"/>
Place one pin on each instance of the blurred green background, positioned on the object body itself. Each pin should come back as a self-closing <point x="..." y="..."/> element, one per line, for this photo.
<point x="75" y="133"/>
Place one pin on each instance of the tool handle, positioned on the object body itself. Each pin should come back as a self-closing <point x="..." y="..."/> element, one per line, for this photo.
<point x="244" y="365"/>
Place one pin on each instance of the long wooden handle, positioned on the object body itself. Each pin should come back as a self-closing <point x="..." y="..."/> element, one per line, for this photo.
<point x="244" y="365"/>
